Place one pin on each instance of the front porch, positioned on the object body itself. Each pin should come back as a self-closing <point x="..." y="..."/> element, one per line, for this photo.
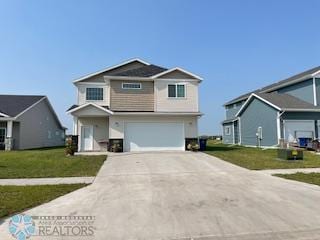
<point x="6" y="134"/>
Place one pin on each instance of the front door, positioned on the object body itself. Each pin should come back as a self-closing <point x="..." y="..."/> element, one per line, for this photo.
<point x="87" y="138"/>
<point x="2" y="138"/>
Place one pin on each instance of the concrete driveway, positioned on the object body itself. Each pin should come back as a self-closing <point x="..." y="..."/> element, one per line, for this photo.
<point x="181" y="195"/>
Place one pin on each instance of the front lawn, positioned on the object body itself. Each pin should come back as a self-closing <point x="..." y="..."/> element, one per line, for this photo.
<point x="47" y="163"/>
<point x="312" y="178"/>
<point x="15" y="199"/>
<point x="258" y="159"/>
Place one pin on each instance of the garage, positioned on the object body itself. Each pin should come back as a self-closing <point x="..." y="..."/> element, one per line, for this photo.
<point x="294" y="129"/>
<point x="153" y="136"/>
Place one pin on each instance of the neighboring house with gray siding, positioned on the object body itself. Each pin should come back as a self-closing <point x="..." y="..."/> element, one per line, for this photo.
<point x="288" y="110"/>
<point x="28" y="122"/>
<point x="136" y="106"/>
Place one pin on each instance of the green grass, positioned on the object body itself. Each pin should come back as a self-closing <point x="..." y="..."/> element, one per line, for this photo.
<point x="258" y="159"/>
<point x="51" y="162"/>
<point x="15" y="199"/>
<point x="312" y="178"/>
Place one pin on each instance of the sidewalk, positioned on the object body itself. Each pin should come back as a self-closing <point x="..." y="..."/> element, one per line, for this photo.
<point x="46" y="181"/>
<point x="289" y="171"/>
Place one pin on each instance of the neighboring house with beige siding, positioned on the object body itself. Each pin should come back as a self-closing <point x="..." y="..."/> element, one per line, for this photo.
<point x="137" y="106"/>
<point x="28" y="122"/>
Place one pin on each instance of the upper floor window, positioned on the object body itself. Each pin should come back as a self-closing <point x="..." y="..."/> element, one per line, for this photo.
<point x="176" y="90"/>
<point x="131" y="85"/>
<point x="94" y="94"/>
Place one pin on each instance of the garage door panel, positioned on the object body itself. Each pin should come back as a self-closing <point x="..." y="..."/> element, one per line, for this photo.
<point x="154" y="136"/>
<point x="296" y="129"/>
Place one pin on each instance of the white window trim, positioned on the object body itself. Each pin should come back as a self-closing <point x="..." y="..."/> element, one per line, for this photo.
<point x="132" y="84"/>
<point x="103" y="90"/>
<point x="176" y="84"/>
<point x="229" y="132"/>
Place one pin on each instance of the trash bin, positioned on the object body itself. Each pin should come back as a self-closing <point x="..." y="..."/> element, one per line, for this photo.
<point x="203" y="144"/>
<point x="303" y="142"/>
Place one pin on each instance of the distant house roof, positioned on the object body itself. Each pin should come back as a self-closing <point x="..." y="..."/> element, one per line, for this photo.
<point x="145" y="71"/>
<point x="12" y="105"/>
<point x="281" y="102"/>
<point x="301" y="76"/>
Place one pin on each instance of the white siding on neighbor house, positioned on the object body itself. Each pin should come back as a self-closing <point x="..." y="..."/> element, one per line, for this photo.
<point x="82" y="93"/>
<point x="100" y="130"/>
<point x="165" y="104"/>
<point x="39" y="128"/>
<point x="117" y="124"/>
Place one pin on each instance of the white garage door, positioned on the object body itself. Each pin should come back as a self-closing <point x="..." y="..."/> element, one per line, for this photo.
<point x="297" y="129"/>
<point x="153" y="136"/>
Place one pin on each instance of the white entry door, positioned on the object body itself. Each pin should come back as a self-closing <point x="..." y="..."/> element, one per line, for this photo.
<point x="87" y="138"/>
<point x="153" y="136"/>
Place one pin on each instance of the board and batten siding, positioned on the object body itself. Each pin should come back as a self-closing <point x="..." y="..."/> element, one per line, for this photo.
<point x="131" y="99"/>
<point x="165" y="104"/>
<point x="259" y="114"/>
<point x="302" y="90"/>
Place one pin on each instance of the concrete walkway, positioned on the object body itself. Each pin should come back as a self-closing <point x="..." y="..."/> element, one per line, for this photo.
<point x="46" y="181"/>
<point x="289" y="171"/>
<point x="187" y="196"/>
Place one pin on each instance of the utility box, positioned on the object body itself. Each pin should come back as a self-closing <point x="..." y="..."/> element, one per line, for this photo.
<point x="290" y="154"/>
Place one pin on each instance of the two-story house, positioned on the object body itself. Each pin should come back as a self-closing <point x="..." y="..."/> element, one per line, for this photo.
<point x="137" y="105"/>
<point x="288" y="110"/>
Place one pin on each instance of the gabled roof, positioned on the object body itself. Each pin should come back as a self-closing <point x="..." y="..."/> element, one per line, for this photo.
<point x="288" y="81"/>
<point x="141" y="70"/>
<point x="281" y="102"/>
<point x="75" y="108"/>
<point x="145" y="71"/>
<point x="13" y="105"/>
<point x="111" y="68"/>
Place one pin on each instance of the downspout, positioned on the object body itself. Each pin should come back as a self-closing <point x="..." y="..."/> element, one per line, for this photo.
<point x="279" y="114"/>
<point x="315" y="102"/>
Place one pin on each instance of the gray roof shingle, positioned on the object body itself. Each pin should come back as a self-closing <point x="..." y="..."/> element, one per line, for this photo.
<point x="12" y="105"/>
<point x="274" y="85"/>
<point x="145" y="71"/>
<point x="286" y="101"/>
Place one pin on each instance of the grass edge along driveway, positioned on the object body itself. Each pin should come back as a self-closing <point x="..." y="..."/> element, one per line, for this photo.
<point x="45" y="163"/>
<point x="14" y="199"/>
<point x="258" y="159"/>
<point x="311" y="178"/>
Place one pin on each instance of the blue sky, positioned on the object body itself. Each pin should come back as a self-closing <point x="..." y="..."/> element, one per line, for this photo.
<point x="236" y="46"/>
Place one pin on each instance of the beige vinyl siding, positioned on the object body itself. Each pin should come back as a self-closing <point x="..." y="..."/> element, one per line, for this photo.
<point x="82" y="93"/>
<point x="117" y="123"/>
<point x="166" y="104"/>
<point x="100" y="130"/>
<point x="131" y="99"/>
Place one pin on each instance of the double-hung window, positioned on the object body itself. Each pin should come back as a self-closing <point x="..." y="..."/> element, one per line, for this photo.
<point x="94" y="94"/>
<point x="227" y="130"/>
<point x="176" y="90"/>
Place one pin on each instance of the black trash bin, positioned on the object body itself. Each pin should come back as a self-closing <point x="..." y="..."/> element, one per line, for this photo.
<point x="203" y="144"/>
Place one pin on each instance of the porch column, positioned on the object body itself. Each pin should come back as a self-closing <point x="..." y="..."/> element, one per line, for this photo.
<point x="75" y="125"/>
<point x="9" y="140"/>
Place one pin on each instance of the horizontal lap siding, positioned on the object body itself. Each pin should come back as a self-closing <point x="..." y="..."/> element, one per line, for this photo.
<point x="228" y="139"/>
<point x="302" y="90"/>
<point x="132" y="99"/>
<point x="259" y="114"/>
